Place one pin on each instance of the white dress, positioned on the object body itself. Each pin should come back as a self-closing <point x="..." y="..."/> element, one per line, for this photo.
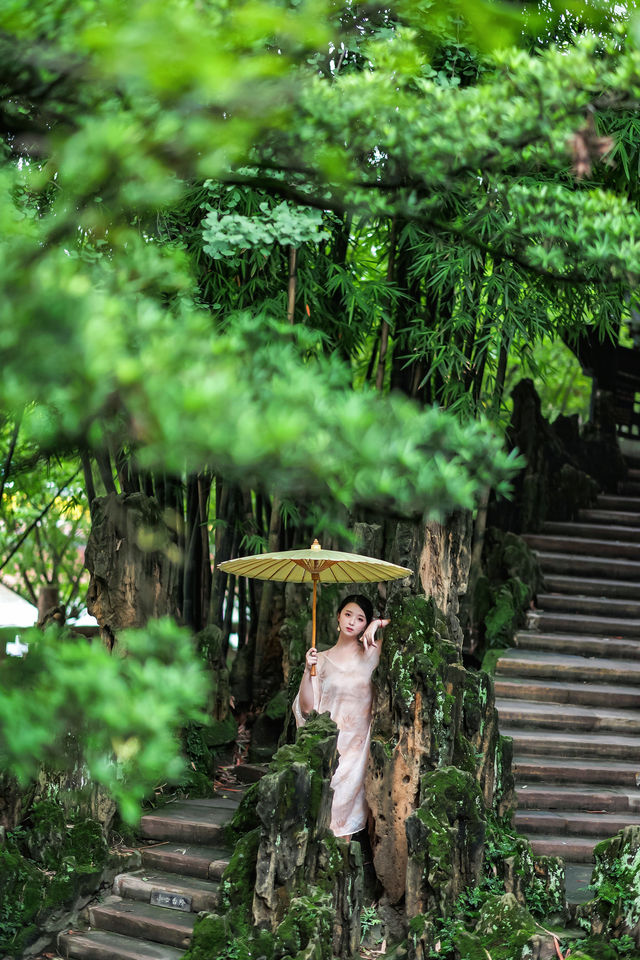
<point x="346" y="692"/>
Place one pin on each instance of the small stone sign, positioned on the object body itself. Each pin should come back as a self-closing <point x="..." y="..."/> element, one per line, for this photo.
<point x="174" y="901"/>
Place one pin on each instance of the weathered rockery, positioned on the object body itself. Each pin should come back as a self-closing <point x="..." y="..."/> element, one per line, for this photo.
<point x="503" y="591"/>
<point x="131" y="557"/>
<point x="614" y="912"/>
<point x="291" y="888"/>
<point x="430" y="714"/>
<point x="202" y="741"/>
<point x="48" y="872"/>
<point x="558" y="479"/>
<point x="439" y="786"/>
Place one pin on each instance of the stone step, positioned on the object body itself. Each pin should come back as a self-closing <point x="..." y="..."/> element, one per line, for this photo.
<point x="188" y="860"/>
<point x="572" y="744"/>
<point x="189" y="821"/>
<point x="553" y="796"/>
<point x="621" y="518"/>
<point x="140" y="920"/>
<point x="578" y="643"/>
<point x="577" y="877"/>
<point x="629" y="488"/>
<point x="596" y="825"/>
<point x="592" y="531"/>
<point x="527" y="713"/>
<point x="591" y="547"/>
<point x="590" y="566"/>
<point x="576" y="849"/>
<point x="142" y="885"/>
<point x="564" y="666"/>
<point x="103" y="945"/>
<point x="569" y="770"/>
<point x="566" y="691"/>
<point x="607" y="501"/>
<point x="581" y="623"/>
<point x="592" y="586"/>
<point x="599" y="606"/>
<point x="251" y="772"/>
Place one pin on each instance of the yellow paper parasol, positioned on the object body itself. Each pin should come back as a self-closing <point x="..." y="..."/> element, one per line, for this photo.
<point x="315" y="565"/>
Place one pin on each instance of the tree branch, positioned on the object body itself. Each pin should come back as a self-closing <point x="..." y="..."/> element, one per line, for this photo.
<point x="7" y="463"/>
<point x="37" y="520"/>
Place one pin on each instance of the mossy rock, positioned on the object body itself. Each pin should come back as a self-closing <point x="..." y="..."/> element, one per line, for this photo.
<point x="504" y="783"/>
<point x="507" y="614"/>
<point x="615" y="908"/>
<point x="446" y="795"/>
<point x="502" y="930"/>
<point x="595" y="948"/>
<point x="87" y="846"/>
<point x="502" y="593"/>
<point x="22" y="886"/>
<point x="306" y="931"/>
<point x="65" y="861"/>
<point x="304" y="934"/>
<point x="277" y="707"/>
<point x="445" y="838"/>
<point x="416" y="653"/>
<point x="219" y="733"/>
<point x="210" y="644"/>
<point x="245" y="818"/>
<point x="47" y="834"/>
<point x="490" y="660"/>
<point x="211" y="938"/>
<point x="238" y="879"/>
<point x="312" y="747"/>
<point x="197" y="750"/>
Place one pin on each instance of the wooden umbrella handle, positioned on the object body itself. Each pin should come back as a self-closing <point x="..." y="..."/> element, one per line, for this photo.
<point x="313" y="621"/>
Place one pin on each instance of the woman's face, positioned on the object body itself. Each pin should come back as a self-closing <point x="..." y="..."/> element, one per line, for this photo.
<point x="352" y="620"/>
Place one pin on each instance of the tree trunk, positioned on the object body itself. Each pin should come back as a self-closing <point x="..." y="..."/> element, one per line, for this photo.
<point x="131" y="582"/>
<point x="264" y="634"/>
<point x="384" y="329"/>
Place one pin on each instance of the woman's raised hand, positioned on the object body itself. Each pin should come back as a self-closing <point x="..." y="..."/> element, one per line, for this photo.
<point x="369" y="636"/>
<point x="311" y="658"/>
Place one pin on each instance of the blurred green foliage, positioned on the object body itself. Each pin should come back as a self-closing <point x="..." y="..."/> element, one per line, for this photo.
<point x="126" y="711"/>
<point x="102" y="328"/>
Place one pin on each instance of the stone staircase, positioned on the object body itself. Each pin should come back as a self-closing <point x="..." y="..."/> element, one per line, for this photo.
<point x="152" y="911"/>
<point x="568" y="693"/>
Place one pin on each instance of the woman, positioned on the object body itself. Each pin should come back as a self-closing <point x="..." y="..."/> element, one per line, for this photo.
<point x="343" y="687"/>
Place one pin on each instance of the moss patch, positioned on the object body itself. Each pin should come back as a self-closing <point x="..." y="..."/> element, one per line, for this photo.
<point x="43" y="868"/>
<point x="502" y="930"/>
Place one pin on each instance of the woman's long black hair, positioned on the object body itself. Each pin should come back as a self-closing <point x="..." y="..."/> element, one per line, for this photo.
<point x="363" y="602"/>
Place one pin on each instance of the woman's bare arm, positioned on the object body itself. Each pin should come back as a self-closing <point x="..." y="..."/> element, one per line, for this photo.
<point x="369" y="642"/>
<point x="305" y="694"/>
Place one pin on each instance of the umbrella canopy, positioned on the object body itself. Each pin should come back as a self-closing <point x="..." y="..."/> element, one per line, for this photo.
<point x="324" y="566"/>
<point x="315" y="565"/>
